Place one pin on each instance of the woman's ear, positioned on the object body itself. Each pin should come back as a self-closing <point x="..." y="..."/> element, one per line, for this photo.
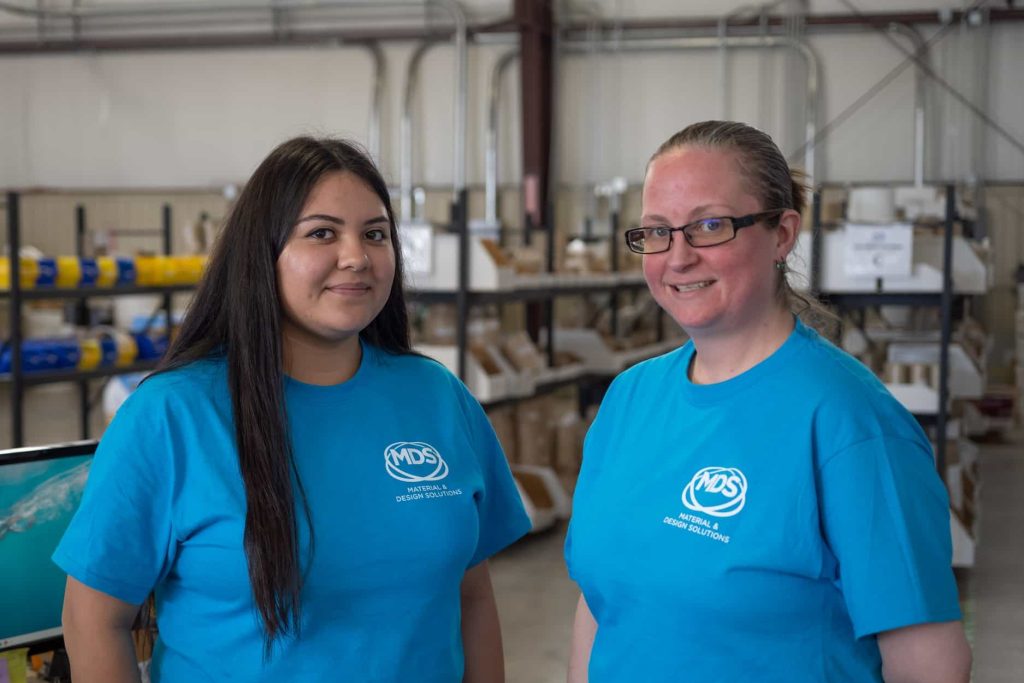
<point x="786" y="233"/>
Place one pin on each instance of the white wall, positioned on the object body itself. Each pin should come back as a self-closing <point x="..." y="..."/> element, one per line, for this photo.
<point x="201" y="118"/>
<point x="182" y="118"/>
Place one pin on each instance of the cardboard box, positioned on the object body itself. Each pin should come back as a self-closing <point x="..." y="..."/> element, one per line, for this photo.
<point x="503" y="421"/>
<point x="534" y="432"/>
<point x="568" y="444"/>
<point x="523" y="354"/>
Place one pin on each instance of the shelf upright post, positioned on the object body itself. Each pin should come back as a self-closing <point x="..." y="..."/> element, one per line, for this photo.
<point x="82" y="318"/>
<point x="946" y="312"/>
<point x="166" y="229"/>
<point x="549" y="302"/>
<point x="461" y="226"/>
<point x="614" y="246"/>
<point x="17" y="385"/>
<point x="535" y="314"/>
<point x="816" y="236"/>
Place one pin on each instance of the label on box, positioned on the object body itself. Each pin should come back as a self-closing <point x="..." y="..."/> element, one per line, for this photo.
<point x="878" y="250"/>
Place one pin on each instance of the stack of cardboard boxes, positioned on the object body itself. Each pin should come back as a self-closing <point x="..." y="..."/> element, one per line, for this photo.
<point x="543" y="440"/>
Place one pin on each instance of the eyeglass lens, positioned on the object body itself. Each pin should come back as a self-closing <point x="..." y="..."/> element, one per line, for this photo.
<point x="704" y="233"/>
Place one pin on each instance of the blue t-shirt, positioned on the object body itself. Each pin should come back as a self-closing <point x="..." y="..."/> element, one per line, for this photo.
<point x="759" y="529"/>
<point x="407" y="486"/>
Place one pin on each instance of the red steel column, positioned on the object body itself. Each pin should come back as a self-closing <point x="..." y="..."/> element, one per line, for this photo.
<point x="535" y="21"/>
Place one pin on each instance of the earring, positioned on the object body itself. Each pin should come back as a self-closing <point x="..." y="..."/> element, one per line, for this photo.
<point x="780" y="266"/>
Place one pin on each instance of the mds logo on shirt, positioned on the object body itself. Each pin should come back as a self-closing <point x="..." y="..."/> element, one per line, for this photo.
<point x="716" y="491"/>
<point x="414" y="461"/>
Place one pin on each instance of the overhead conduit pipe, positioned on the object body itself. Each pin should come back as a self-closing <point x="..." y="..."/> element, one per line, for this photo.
<point x="377" y="100"/>
<point x="920" y="121"/>
<point x="491" y="158"/>
<point x="461" y="96"/>
<point x="405" y="133"/>
<point x="638" y="43"/>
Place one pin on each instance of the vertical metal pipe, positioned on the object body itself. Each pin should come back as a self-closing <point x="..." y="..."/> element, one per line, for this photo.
<point x="461" y="100"/>
<point x="640" y="43"/>
<point x="920" y="48"/>
<point x="405" y="142"/>
<point x="81" y="307"/>
<point x="614" y="246"/>
<point x="491" y="153"/>
<point x="376" y="103"/>
<point x="17" y="378"/>
<point x="80" y="231"/>
<point x="461" y="92"/>
<point x="946" y="311"/>
<point x="549" y="302"/>
<point x="82" y="318"/>
<point x="459" y="216"/>
<point x="166" y="229"/>
<point x="723" y="66"/>
<point x="811" y="123"/>
<point x="816" y="246"/>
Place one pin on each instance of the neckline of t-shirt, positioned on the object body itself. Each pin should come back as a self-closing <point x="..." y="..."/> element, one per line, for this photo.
<point x="778" y="360"/>
<point x="365" y="362"/>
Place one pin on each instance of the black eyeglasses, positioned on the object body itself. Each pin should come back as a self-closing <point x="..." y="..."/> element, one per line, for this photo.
<point x="707" y="232"/>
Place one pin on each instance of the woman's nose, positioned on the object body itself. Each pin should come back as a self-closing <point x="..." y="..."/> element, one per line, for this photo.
<point x="352" y="257"/>
<point x="680" y="254"/>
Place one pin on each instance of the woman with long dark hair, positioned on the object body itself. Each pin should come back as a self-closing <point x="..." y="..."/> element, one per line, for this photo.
<point x="305" y="497"/>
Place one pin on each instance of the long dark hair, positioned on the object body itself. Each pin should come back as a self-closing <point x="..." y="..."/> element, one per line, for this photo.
<point x="236" y="313"/>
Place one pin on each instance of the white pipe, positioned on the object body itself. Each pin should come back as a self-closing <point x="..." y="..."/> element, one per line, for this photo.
<point x="723" y="65"/>
<point x="491" y="160"/>
<point x="376" y="104"/>
<point x="639" y="43"/>
<point x="921" y="59"/>
<point x="405" y="142"/>
<point x="461" y="95"/>
<point x="461" y="92"/>
<point x="142" y="9"/>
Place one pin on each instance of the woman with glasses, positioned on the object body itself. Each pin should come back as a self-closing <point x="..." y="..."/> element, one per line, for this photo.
<point x="753" y="506"/>
<point x="307" y="498"/>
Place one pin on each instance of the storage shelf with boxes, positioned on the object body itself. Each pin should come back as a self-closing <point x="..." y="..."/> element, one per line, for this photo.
<point x="901" y="268"/>
<point x="473" y="314"/>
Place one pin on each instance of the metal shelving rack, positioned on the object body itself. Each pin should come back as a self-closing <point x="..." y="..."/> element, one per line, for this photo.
<point x="18" y="379"/>
<point x="464" y="299"/>
<point x="525" y="295"/>
<point x="944" y="299"/>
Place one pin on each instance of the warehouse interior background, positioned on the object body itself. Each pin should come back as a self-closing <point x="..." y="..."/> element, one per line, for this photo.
<point x="121" y="117"/>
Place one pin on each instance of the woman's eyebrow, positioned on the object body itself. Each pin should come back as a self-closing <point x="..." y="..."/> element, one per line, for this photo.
<point x="321" y="217"/>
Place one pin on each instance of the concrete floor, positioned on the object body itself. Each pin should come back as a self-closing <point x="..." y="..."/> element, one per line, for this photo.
<point x="536" y="599"/>
<point x="992" y="591"/>
<point x="536" y="602"/>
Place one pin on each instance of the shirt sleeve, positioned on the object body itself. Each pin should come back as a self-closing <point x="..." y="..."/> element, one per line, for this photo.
<point x="121" y="539"/>
<point x="885" y="516"/>
<point x="590" y="466"/>
<point x="503" y="520"/>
